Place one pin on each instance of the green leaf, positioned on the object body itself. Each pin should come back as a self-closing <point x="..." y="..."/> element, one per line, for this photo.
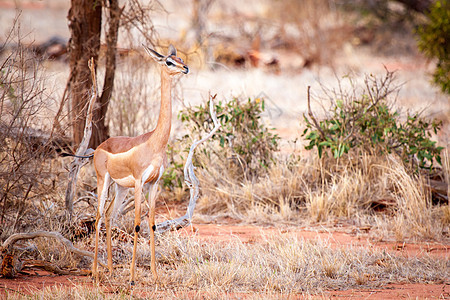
<point x="336" y="153"/>
<point x="313" y="135"/>
<point x="325" y="143"/>
<point x="341" y="150"/>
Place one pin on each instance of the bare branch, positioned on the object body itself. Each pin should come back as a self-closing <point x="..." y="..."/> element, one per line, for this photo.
<point x="77" y="163"/>
<point x="311" y="115"/>
<point x="48" y="266"/>
<point x="190" y="179"/>
<point x="8" y="244"/>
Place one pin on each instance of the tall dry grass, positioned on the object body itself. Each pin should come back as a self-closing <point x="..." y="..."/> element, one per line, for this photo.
<point x="367" y="190"/>
<point x="415" y="214"/>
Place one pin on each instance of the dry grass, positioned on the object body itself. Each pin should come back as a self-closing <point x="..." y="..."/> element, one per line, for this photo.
<point x="277" y="265"/>
<point x="367" y="190"/>
<point x="81" y="292"/>
<point x="415" y="213"/>
<point x="284" y="264"/>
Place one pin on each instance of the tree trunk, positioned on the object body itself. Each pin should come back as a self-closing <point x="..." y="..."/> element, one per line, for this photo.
<point x="101" y="131"/>
<point x="85" y="20"/>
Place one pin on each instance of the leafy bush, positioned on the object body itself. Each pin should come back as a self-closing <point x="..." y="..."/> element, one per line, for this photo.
<point x="243" y="141"/>
<point x="368" y="123"/>
<point x="434" y="42"/>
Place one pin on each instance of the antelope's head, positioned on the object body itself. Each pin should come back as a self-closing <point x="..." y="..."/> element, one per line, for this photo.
<point x="172" y="63"/>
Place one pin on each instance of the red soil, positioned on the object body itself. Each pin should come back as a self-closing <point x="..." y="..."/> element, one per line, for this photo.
<point x="37" y="280"/>
<point x="397" y="291"/>
<point x="336" y="239"/>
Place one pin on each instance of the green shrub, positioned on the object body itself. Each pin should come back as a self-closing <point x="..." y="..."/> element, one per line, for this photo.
<point x="434" y="42"/>
<point x="368" y="123"/>
<point x="243" y="141"/>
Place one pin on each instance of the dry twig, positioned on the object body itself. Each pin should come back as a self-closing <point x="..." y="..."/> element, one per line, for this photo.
<point x="78" y="162"/>
<point x="311" y="115"/>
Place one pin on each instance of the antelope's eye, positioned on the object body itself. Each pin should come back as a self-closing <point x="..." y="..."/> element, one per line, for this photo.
<point x="169" y="63"/>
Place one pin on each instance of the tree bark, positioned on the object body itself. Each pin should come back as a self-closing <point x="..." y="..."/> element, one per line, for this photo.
<point x="101" y="130"/>
<point x="85" y="20"/>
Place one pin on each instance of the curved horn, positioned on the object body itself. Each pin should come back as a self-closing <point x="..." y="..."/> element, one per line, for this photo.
<point x="155" y="55"/>
<point x="172" y="50"/>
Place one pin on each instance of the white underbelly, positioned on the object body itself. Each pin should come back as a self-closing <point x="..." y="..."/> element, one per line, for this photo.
<point x="129" y="181"/>
<point x="125" y="181"/>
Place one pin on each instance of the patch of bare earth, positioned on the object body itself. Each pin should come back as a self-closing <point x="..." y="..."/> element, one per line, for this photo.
<point x="350" y="237"/>
<point x="397" y="291"/>
<point x="34" y="280"/>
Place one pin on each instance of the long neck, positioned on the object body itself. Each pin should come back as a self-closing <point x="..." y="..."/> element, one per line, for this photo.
<point x="163" y="126"/>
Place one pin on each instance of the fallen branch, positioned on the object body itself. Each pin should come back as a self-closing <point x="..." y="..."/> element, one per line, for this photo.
<point x="191" y="180"/>
<point x="78" y="162"/>
<point x="49" y="267"/>
<point x="8" y="244"/>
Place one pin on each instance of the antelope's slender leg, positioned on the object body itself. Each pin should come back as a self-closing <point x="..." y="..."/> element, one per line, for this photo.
<point x="110" y="215"/>
<point x="137" y="226"/>
<point x="102" y="191"/>
<point x="152" y="227"/>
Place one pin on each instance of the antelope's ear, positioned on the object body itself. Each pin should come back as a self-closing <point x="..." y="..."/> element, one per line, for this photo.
<point x="172" y="51"/>
<point x="155" y="55"/>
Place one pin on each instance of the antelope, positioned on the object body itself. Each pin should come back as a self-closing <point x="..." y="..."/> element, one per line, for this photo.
<point x="131" y="162"/>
